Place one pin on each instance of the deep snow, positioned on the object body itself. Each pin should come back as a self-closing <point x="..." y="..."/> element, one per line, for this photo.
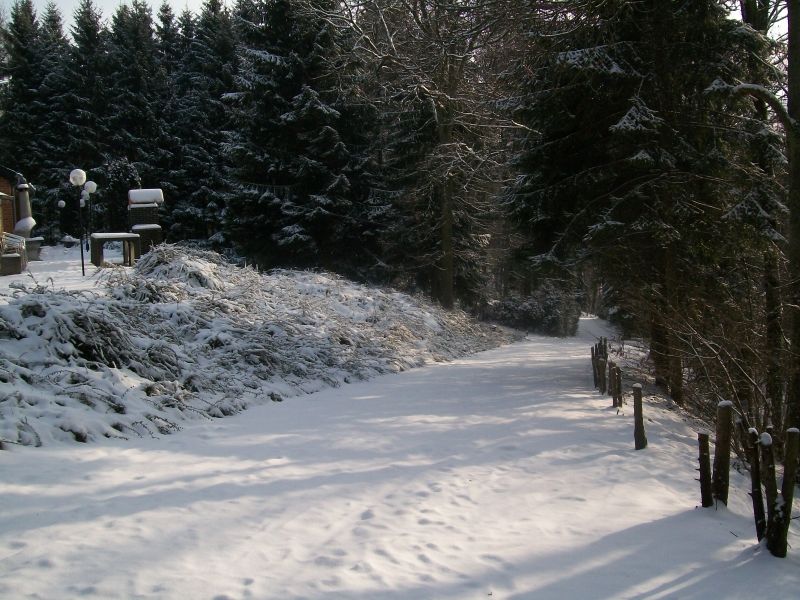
<point x="501" y="475"/>
<point x="186" y="335"/>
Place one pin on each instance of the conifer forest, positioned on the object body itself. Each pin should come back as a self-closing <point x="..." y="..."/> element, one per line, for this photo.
<point x="523" y="160"/>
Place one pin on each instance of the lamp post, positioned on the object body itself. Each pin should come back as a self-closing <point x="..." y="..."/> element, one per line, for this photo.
<point x="78" y="178"/>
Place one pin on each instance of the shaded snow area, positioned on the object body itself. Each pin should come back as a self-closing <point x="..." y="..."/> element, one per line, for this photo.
<point x="187" y="335"/>
<point x="502" y="475"/>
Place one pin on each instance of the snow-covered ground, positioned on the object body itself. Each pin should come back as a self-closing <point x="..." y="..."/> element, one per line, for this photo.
<point x="501" y="475"/>
<point x="186" y="335"/>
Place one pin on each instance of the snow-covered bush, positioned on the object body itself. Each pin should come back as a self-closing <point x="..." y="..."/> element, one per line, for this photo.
<point x="187" y="334"/>
<point x="548" y="310"/>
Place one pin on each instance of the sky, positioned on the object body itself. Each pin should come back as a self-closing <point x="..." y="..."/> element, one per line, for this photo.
<point x="107" y="7"/>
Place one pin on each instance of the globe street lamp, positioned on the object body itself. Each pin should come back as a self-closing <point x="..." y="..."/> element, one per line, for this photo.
<point x="78" y="178"/>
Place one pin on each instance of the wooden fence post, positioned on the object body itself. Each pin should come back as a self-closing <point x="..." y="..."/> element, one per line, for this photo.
<point x="601" y="371"/>
<point x="618" y="386"/>
<point x="594" y="365"/>
<point x="706" y="498"/>
<point x="781" y="513"/>
<point x="611" y="379"/>
<point x="757" y="496"/>
<point x="639" y="437"/>
<point x="769" y="478"/>
<point x="722" y="452"/>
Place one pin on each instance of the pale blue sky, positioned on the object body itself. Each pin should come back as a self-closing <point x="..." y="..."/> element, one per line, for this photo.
<point x="107" y="7"/>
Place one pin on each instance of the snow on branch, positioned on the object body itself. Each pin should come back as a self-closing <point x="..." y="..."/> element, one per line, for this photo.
<point x="759" y="92"/>
<point x="639" y="118"/>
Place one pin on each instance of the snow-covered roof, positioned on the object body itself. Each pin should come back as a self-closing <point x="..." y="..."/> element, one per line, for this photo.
<point x="146" y="196"/>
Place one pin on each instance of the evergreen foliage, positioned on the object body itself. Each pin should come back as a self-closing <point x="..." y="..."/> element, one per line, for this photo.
<point x="197" y="178"/>
<point x="295" y="176"/>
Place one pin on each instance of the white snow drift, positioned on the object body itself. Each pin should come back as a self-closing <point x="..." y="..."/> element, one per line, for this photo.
<point x="187" y="334"/>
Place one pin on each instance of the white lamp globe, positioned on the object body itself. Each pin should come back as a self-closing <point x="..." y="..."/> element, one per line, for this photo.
<point x="90" y="186"/>
<point x="83" y="202"/>
<point x="61" y="204"/>
<point x="77" y="177"/>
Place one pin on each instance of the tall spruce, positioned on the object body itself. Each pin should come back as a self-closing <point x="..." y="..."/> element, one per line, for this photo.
<point x="198" y="117"/>
<point x="18" y="95"/>
<point x="296" y="200"/>
<point x="135" y="123"/>
<point x="54" y="107"/>
<point x="633" y="166"/>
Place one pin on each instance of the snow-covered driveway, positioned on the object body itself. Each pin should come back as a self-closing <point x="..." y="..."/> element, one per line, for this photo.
<point x="503" y="475"/>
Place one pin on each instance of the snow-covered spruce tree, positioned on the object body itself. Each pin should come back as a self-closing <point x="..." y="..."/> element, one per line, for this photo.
<point x="633" y="166"/>
<point x="168" y="39"/>
<point x="17" y="95"/>
<point x="296" y="197"/>
<point x="137" y="130"/>
<point x="197" y="177"/>
<point x="84" y="129"/>
<point x="169" y="50"/>
<point x="55" y="104"/>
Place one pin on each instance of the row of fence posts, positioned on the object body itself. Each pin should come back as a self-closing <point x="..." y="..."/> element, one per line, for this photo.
<point x="771" y="509"/>
<point x="608" y="379"/>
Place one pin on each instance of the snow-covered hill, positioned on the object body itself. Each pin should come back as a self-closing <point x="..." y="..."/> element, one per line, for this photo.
<point x="187" y="335"/>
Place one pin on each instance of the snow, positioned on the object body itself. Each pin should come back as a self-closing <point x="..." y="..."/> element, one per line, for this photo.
<point x="502" y="475"/>
<point x="185" y="335"/>
<point x="638" y="118"/>
<point x="114" y="236"/>
<point x="146" y="196"/>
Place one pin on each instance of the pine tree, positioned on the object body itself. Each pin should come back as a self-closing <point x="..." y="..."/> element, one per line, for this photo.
<point x="296" y="178"/>
<point x="636" y="168"/>
<point x="135" y="123"/>
<point x="168" y="39"/>
<point x="198" y="119"/>
<point x="426" y="59"/>
<point x="23" y="67"/>
<point x="53" y="109"/>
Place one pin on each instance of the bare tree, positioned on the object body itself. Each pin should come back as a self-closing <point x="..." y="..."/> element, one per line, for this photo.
<point x="432" y="55"/>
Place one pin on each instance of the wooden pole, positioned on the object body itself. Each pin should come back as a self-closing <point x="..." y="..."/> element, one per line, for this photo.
<point x="706" y="498"/>
<point x="782" y="513"/>
<point x="601" y="370"/>
<point x="594" y="365"/>
<point x="611" y="379"/>
<point x="618" y="386"/>
<point x="639" y="437"/>
<point x="755" y="484"/>
<point x="722" y="452"/>
<point x="770" y="481"/>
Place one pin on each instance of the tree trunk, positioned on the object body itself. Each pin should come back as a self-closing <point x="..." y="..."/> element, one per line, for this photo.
<point x="782" y="514"/>
<point x="659" y="350"/>
<point x="793" y="202"/>
<point x="751" y="442"/>
<point x="774" y="338"/>
<point x="447" y="259"/>
<point x="722" y="452"/>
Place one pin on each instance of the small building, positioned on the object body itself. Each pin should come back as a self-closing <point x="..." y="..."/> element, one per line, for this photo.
<point x="8" y="213"/>
<point x="12" y="256"/>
